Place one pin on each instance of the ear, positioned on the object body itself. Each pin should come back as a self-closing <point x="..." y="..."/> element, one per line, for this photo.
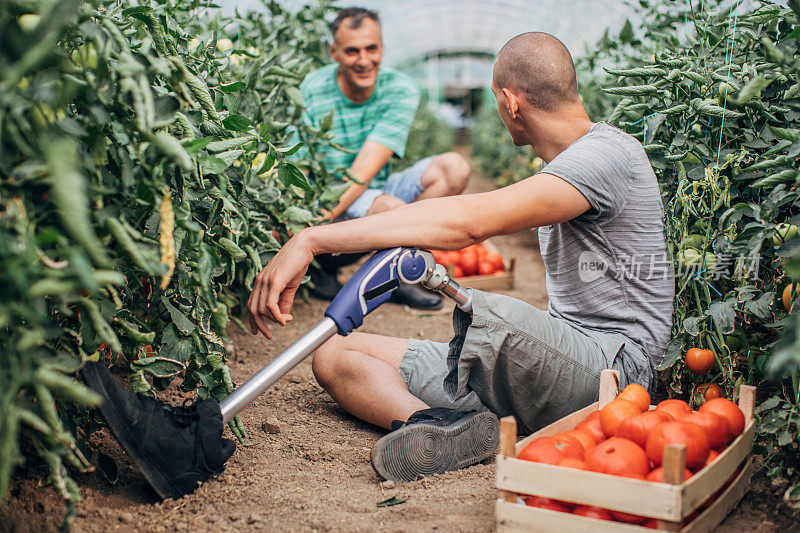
<point x="513" y="103"/>
<point x="332" y="48"/>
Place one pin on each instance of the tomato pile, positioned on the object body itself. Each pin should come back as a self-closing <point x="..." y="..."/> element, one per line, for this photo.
<point x="473" y="260"/>
<point x="626" y="438"/>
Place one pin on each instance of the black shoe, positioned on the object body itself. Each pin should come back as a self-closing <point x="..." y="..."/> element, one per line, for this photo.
<point x="326" y="284"/>
<point x="416" y="297"/>
<point x="176" y="448"/>
<point x="433" y="441"/>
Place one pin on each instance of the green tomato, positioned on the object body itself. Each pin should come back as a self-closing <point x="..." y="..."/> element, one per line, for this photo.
<point x="85" y="56"/>
<point x="698" y="129"/>
<point x="693" y="241"/>
<point x="725" y="90"/>
<point x="28" y="22"/>
<point x="692" y="259"/>
<point x="783" y="232"/>
<point x="734" y="342"/>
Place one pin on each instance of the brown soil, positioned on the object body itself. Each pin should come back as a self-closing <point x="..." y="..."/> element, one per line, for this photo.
<point x="314" y="474"/>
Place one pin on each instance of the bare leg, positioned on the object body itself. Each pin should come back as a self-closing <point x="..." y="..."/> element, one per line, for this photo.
<point x="360" y="372"/>
<point x="446" y="175"/>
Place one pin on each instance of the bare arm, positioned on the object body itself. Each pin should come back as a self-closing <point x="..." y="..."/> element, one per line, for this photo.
<point x="370" y="159"/>
<point x="439" y="223"/>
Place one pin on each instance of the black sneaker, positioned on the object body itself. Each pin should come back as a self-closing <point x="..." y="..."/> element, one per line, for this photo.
<point x="326" y="285"/>
<point x="176" y="448"/>
<point x="433" y="441"/>
<point x="416" y="297"/>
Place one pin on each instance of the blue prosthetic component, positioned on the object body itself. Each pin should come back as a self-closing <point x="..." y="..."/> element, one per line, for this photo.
<point x="372" y="285"/>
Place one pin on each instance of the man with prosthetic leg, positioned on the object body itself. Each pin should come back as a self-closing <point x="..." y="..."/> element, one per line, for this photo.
<point x="597" y="201"/>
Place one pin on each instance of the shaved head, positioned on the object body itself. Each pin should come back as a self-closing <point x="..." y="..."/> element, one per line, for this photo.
<point x="539" y="67"/>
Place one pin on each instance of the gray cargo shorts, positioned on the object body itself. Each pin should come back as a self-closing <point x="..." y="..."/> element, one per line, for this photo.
<point x="514" y="359"/>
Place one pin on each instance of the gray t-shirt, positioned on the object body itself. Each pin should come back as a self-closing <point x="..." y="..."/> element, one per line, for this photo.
<point x="608" y="269"/>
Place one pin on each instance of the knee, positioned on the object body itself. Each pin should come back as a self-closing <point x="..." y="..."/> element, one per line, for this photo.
<point x="385" y="202"/>
<point x="454" y="170"/>
<point x="323" y="364"/>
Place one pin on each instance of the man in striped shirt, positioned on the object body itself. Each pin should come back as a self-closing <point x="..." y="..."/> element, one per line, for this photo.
<point x="373" y="108"/>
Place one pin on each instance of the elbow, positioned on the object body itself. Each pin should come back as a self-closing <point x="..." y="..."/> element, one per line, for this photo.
<point x="475" y="231"/>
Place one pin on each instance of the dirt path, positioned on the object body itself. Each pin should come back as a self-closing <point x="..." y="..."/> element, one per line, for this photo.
<point x="314" y="473"/>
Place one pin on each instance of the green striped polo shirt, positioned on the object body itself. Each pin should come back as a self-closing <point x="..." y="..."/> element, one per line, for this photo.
<point x="385" y="117"/>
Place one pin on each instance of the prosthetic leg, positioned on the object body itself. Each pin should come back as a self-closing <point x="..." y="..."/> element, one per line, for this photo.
<point x="371" y="286"/>
<point x="176" y="448"/>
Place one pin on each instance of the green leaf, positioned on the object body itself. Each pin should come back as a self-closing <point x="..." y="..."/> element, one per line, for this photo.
<point x="180" y="320"/>
<point x="291" y="175"/>
<point x="671" y="354"/>
<point x="159" y="367"/>
<point x="626" y="34"/>
<point x="784" y="437"/>
<point x="137" y="10"/>
<point x="236" y="123"/>
<point x="290" y="151"/>
<point x="394" y="500"/>
<point x="691" y="325"/>
<point x="232" y="88"/>
<point x="194" y="146"/>
<point x="724" y="315"/>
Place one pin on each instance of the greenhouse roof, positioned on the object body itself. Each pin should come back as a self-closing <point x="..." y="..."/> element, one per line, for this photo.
<point x="415" y="30"/>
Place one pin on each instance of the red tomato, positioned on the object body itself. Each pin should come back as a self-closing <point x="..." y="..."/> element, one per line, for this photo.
<point x="584" y="437"/>
<point x="592" y="426"/>
<point x="637" y="394"/>
<point x="448" y="258"/>
<point x="713" y="454"/>
<point x="590" y="511"/>
<point x="658" y="474"/>
<point x="458" y="272"/>
<point x="485" y="268"/>
<point x="568" y="439"/>
<point x="690" y="435"/>
<point x="727" y="410"/>
<point x="674" y="408"/>
<point x="548" y="450"/>
<point x="570" y="462"/>
<point x="710" y="391"/>
<point x="614" y="413"/>
<point x="546" y="503"/>
<point x="480" y="250"/>
<point x="637" y="427"/>
<point x="618" y="457"/>
<point x="469" y="262"/>
<point x="716" y="428"/>
<point x="651" y="523"/>
<point x="699" y="361"/>
<point x="496" y="261"/>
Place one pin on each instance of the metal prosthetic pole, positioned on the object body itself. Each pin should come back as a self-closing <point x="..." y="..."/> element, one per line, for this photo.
<point x="370" y="286"/>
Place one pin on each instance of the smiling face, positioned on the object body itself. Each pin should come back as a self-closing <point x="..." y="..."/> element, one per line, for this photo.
<point x="358" y="52"/>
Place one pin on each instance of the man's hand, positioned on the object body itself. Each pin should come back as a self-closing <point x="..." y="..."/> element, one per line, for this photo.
<point x="275" y="287"/>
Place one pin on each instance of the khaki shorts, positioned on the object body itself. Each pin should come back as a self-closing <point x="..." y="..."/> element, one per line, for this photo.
<point x="514" y="359"/>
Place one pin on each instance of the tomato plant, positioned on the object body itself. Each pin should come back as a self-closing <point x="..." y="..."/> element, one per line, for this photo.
<point x="131" y="217"/>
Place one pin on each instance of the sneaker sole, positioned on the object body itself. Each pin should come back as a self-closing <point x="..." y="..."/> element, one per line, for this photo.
<point x="425" y="449"/>
<point x="120" y="429"/>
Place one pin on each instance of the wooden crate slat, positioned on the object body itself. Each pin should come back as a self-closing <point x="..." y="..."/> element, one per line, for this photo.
<point x="516" y="518"/>
<point x="711" y="517"/>
<point x="656" y="500"/>
<point x="708" y="480"/>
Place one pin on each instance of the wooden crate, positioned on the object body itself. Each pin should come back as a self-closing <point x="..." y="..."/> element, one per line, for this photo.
<point x="671" y="502"/>
<point x="492" y="282"/>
